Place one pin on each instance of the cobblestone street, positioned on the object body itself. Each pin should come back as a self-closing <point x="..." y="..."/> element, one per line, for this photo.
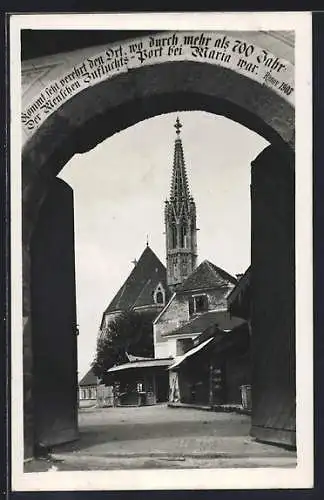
<point x="163" y="437"/>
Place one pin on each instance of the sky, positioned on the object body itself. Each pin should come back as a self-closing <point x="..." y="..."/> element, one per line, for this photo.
<point x="119" y="191"/>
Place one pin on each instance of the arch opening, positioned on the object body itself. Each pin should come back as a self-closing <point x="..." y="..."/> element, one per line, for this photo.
<point x="105" y="109"/>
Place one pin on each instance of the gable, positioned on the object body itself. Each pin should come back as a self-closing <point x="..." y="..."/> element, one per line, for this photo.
<point x="174" y="314"/>
<point x="88" y="379"/>
<point x="205" y="276"/>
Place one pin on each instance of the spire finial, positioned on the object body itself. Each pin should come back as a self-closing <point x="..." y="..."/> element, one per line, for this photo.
<point x="177" y="126"/>
<point x="147" y="240"/>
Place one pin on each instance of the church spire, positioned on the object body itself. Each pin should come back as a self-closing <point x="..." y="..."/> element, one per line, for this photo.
<point x="180" y="221"/>
<point x="179" y="182"/>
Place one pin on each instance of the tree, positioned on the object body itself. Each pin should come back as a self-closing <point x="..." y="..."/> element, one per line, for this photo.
<point x="130" y="332"/>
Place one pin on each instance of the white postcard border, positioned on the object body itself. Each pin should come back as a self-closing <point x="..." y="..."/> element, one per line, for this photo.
<point x="302" y="475"/>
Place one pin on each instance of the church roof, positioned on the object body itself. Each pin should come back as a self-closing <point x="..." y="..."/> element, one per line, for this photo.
<point x="139" y="286"/>
<point x="88" y="379"/>
<point x="200" y="323"/>
<point x="207" y="275"/>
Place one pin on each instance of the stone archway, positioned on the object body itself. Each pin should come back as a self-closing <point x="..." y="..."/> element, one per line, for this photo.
<point x="112" y="104"/>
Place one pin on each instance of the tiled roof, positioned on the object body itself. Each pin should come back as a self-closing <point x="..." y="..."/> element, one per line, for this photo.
<point x="140" y="284"/>
<point x="207" y="275"/>
<point x="89" y="379"/>
<point x="236" y="324"/>
<point x="217" y="343"/>
<point x="162" y="362"/>
<point x="200" y="323"/>
<point x="189" y="353"/>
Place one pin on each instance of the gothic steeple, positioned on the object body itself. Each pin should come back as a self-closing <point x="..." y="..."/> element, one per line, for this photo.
<point x="180" y="221"/>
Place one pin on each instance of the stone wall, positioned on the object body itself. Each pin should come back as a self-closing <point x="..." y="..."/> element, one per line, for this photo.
<point x="174" y="315"/>
<point x="177" y="314"/>
<point x="217" y="298"/>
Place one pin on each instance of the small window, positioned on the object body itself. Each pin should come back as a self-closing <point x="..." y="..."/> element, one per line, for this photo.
<point x="201" y="303"/>
<point x="198" y="304"/>
<point x="159" y="298"/>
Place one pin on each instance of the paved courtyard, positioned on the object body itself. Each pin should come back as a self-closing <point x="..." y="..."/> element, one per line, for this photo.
<point x="159" y="436"/>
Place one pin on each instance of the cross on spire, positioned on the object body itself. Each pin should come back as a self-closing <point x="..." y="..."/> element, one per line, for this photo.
<point x="177" y="126"/>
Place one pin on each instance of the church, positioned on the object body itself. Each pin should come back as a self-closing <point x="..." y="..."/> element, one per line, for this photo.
<point x="185" y="298"/>
<point x="144" y="291"/>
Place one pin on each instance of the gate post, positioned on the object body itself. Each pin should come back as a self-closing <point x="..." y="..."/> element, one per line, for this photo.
<point x="50" y="330"/>
<point x="273" y="296"/>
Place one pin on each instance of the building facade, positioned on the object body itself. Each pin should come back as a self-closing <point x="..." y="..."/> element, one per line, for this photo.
<point x="94" y="393"/>
<point x="216" y="371"/>
<point x="140" y="382"/>
<point x="88" y="390"/>
<point x="200" y="302"/>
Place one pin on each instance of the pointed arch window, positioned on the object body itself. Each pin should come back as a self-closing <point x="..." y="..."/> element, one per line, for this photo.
<point x="173" y="236"/>
<point x="159" y="295"/>
<point x="184" y="235"/>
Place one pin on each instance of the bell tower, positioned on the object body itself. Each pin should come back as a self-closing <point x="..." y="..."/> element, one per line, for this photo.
<point x="180" y="221"/>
